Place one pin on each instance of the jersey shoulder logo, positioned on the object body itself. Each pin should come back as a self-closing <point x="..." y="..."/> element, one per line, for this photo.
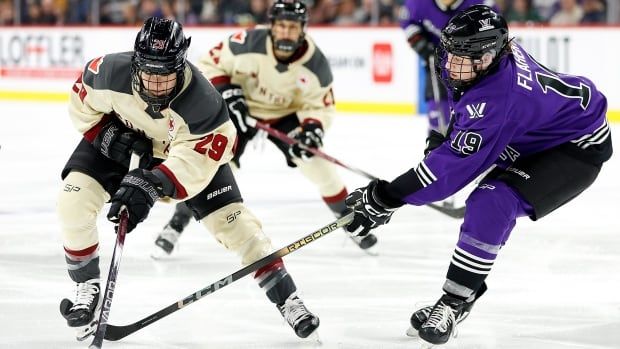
<point x="239" y="37"/>
<point x="95" y="64"/>
<point x="476" y="111"/>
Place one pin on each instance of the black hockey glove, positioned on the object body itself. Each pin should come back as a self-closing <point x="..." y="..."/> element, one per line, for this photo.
<point x="424" y="47"/>
<point x="309" y="135"/>
<point x="370" y="211"/>
<point x="433" y="141"/>
<point x="116" y="142"/>
<point x="138" y="192"/>
<point x="238" y="110"/>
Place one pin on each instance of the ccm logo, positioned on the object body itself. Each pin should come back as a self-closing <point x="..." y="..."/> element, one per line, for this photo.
<point x="382" y="62"/>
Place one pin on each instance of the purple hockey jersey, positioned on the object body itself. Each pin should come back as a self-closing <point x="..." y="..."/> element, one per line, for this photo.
<point x="429" y="17"/>
<point x="519" y="109"/>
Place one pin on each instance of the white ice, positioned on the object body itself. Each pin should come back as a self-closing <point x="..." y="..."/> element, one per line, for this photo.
<point x="554" y="285"/>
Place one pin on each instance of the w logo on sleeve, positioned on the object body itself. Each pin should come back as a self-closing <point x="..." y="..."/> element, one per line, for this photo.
<point x="476" y="111"/>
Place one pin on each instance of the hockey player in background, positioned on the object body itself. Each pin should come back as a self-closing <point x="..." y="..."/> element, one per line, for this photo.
<point x="152" y="101"/>
<point x="547" y="133"/>
<point x="278" y="76"/>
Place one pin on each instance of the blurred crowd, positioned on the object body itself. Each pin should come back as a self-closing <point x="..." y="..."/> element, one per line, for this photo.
<point x="555" y="12"/>
<point x="251" y="12"/>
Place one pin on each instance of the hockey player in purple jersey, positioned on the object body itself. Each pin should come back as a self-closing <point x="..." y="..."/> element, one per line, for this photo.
<point x="545" y="132"/>
<point x="422" y="21"/>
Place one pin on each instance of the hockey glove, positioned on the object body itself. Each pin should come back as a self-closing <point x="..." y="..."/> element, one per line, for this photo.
<point x="433" y="141"/>
<point x="309" y="135"/>
<point x="238" y="110"/>
<point x="369" y="210"/>
<point x="116" y="142"/>
<point x="422" y="45"/>
<point x="138" y="192"/>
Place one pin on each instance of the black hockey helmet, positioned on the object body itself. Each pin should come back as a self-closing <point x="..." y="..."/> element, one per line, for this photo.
<point x="160" y="49"/>
<point x="292" y="10"/>
<point x="473" y="33"/>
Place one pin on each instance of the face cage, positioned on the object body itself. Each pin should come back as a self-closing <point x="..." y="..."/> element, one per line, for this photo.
<point x="457" y="83"/>
<point x="465" y="73"/>
<point x="157" y="102"/>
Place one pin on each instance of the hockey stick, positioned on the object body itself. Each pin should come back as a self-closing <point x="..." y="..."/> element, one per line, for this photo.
<point x="443" y="128"/>
<point x="450" y="211"/>
<point x="288" y="140"/>
<point x="115" y="265"/>
<point x="447" y="206"/>
<point x="115" y="333"/>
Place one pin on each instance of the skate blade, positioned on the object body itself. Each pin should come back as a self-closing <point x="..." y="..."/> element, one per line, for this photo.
<point x="314" y="339"/>
<point x="82" y="333"/>
<point x="412" y="332"/>
<point x="425" y="345"/>
<point x="371" y="251"/>
<point x="159" y="254"/>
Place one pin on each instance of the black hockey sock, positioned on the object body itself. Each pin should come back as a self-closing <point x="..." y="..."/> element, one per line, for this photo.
<point x="282" y="290"/>
<point x="276" y="282"/>
<point x="83" y="265"/>
<point x="336" y="203"/>
<point x="181" y="217"/>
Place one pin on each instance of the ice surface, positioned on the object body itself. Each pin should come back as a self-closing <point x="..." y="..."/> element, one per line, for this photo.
<point x="554" y="285"/>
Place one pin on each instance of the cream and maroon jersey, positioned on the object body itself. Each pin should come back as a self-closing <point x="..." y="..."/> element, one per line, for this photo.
<point x="194" y="135"/>
<point x="272" y="89"/>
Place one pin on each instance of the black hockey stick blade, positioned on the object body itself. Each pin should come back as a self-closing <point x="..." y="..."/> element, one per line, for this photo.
<point x="454" y="212"/>
<point x="115" y="333"/>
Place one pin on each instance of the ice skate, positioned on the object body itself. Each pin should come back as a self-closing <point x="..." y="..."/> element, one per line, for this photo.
<point x="441" y="324"/>
<point x="366" y="243"/>
<point x="303" y="322"/>
<point x="417" y="319"/>
<point x="420" y="316"/>
<point x="166" y="243"/>
<point x="83" y="313"/>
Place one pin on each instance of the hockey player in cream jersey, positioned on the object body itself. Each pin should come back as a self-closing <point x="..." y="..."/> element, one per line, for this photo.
<point x="153" y="102"/>
<point x="278" y="76"/>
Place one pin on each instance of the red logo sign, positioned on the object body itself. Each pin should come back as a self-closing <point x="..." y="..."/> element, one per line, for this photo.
<point x="382" y="62"/>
